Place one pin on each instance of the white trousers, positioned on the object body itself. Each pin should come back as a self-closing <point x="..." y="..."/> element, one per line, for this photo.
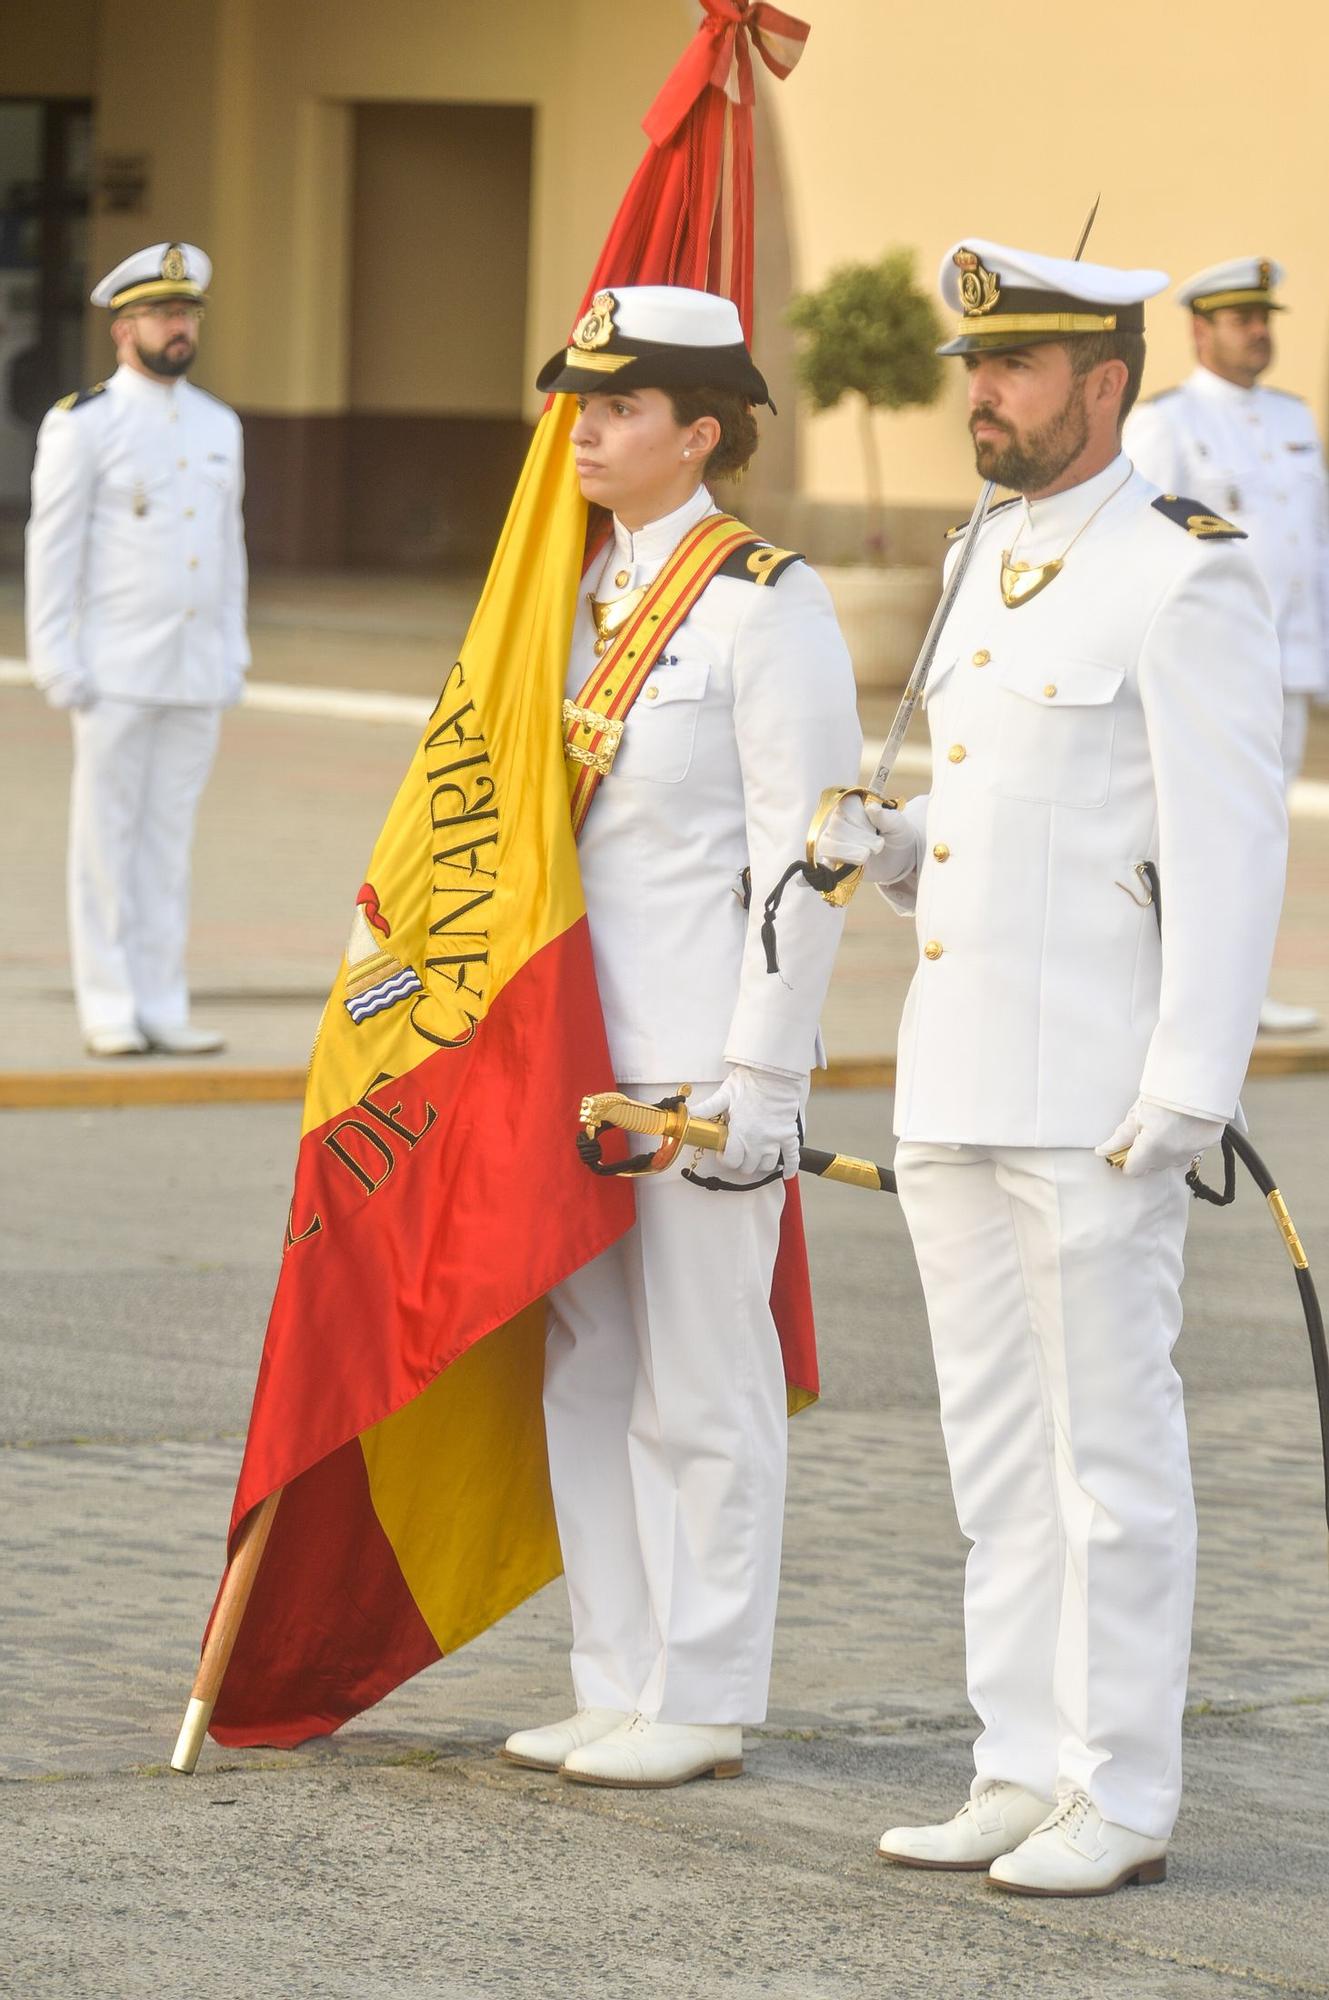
<point x="139" y="771"/>
<point x="1053" y="1293"/>
<point x="666" y="1419"/>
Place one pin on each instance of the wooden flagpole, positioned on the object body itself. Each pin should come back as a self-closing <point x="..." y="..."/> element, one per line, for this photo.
<point x="221" y="1638"/>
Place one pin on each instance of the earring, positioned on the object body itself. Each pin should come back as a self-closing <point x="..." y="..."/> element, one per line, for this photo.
<point x="687" y="454"/>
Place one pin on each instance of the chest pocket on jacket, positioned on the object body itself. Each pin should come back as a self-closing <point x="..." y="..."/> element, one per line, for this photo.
<point x="1054" y="732"/>
<point x="662" y="726"/>
<point x="140" y="497"/>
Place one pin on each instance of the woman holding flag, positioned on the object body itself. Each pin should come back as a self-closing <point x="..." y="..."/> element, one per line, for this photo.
<point x="709" y="701"/>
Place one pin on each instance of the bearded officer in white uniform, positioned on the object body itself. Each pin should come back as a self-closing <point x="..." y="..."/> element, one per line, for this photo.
<point x="1105" y="695"/>
<point x="665" y="1398"/>
<point x="136" y="586"/>
<point x="1252" y="453"/>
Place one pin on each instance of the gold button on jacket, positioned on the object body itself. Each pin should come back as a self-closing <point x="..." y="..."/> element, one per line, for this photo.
<point x="957" y="753"/>
<point x="941" y="852"/>
<point x="982" y="656"/>
<point x="932" y="949"/>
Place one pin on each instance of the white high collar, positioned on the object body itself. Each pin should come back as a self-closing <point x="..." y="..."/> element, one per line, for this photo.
<point x="644" y="551"/>
<point x="1219" y="390"/>
<point x="1060" y="515"/>
<point x="150" y="389"/>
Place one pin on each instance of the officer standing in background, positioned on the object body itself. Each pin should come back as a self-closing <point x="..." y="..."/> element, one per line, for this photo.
<point x="1104" y="704"/>
<point x="1252" y="453"/>
<point x="136" y="588"/>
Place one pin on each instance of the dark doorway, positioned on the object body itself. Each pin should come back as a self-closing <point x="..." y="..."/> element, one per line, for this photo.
<point x="45" y="165"/>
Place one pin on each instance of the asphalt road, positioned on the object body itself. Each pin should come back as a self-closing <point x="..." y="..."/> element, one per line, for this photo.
<point x="401" y="1859"/>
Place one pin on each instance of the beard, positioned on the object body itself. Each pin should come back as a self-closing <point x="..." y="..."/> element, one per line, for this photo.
<point x="1030" y="464"/>
<point x="173" y="360"/>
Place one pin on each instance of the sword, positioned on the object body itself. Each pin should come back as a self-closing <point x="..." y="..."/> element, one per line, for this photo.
<point x="670" y="1123"/>
<point x="846" y="879"/>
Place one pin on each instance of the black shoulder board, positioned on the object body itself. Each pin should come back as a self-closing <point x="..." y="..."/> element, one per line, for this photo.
<point x="80" y="397"/>
<point x="953" y="534"/>
<point x="1194" y="518"/>
<point x="758" y="562"/>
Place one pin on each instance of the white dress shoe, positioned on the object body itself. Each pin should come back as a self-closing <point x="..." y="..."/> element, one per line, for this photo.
<point x="185" y="1040"/>
<point x="115" y="1042"/>
<point x="1280" y="1017"/>
<point x="544" y="1749"/>
<point x="1076" y="1852"/>
<point x="997" y="1819"/>
<point x="647" y="1756"/>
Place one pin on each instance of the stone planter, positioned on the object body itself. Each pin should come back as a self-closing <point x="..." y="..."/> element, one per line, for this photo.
<point x="883" y="614"/>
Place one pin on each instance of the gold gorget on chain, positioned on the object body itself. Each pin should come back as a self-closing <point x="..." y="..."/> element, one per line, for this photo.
<point x="610" y="614"/>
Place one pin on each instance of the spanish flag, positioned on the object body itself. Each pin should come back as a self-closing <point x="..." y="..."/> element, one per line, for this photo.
<point x="396" y="1453"/>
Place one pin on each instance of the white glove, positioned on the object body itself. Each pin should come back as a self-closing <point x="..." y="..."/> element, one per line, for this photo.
<point x="762" y="1108"/>
<point x="876" y="838"/>
<point x="71" y="690"/>
<point x="1159" y="1137"/>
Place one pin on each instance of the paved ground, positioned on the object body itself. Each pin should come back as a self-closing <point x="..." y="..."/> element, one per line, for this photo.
<point x="401" y="1860"/>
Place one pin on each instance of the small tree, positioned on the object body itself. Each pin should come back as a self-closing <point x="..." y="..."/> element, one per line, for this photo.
<point x="869" y="332"/>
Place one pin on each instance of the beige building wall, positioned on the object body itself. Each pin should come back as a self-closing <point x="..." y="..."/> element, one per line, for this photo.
<point x="1203" y="127"/>
<point x="904" y="124"/>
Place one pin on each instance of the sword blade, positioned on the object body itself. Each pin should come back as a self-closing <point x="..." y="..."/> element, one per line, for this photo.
<point x="918" y="679"/>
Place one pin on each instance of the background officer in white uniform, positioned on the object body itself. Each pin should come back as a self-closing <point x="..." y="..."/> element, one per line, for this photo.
<point x="1105" y="695"/>
<point x="1252" y="454"/>
<point x="665" y="1399"/>
<point x="136" y="586"/>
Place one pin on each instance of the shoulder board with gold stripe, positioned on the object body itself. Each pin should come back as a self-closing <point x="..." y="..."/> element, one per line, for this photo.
<point x="1196" y="520"/>
<point x="80" y="397"/>
<point x="758" y="562"/>
<point x="953" y="534"/>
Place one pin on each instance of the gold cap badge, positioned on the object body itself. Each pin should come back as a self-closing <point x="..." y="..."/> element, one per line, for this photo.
<point x="173" y="265"/>
<point x="979" y="289"/>
<point x="1266" y="272"/>
<point x="596" y="327"/>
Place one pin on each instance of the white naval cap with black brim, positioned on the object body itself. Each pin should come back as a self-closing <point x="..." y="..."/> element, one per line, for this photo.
<point x="655" y="337"/>
<point x="163" y="271"/>
<point x="1242" y="281"/>
<point x="1016" y="298"/>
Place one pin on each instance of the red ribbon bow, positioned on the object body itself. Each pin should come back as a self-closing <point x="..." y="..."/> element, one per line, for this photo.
<point x="726" y="37"/>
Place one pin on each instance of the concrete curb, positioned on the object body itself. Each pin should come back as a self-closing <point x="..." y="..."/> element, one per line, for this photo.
<point x="65" y="1090"/>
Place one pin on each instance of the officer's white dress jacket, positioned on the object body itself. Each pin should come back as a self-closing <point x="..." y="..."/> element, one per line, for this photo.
<point x="1131" y="712"/>
<point x="136" y="577"/>
<point x="1252" y="455"/>
<point x="747" y="716"/>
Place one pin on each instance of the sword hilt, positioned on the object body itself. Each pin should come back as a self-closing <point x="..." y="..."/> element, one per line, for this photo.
<point x="840" y="892"/>
<point x="611" y="1107"/>
<point x="629" y="1114"/>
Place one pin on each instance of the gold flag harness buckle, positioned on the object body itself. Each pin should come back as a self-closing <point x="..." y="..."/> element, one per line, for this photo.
<point x="609" y="728"/>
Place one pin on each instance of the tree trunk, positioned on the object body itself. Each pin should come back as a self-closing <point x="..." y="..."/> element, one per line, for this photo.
<point x="876" y="509"/>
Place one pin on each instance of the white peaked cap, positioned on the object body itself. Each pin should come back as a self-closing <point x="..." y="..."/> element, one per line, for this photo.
<point x="1013" y="298"/>
<point x="676" y="316"/>
<point x="655" y="337"/>
<point x="163" y="271"/>
<point x="1242" y="281"/>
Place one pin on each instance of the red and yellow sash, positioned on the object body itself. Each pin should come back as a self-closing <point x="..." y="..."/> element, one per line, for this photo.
<point x="593" y="723"/>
